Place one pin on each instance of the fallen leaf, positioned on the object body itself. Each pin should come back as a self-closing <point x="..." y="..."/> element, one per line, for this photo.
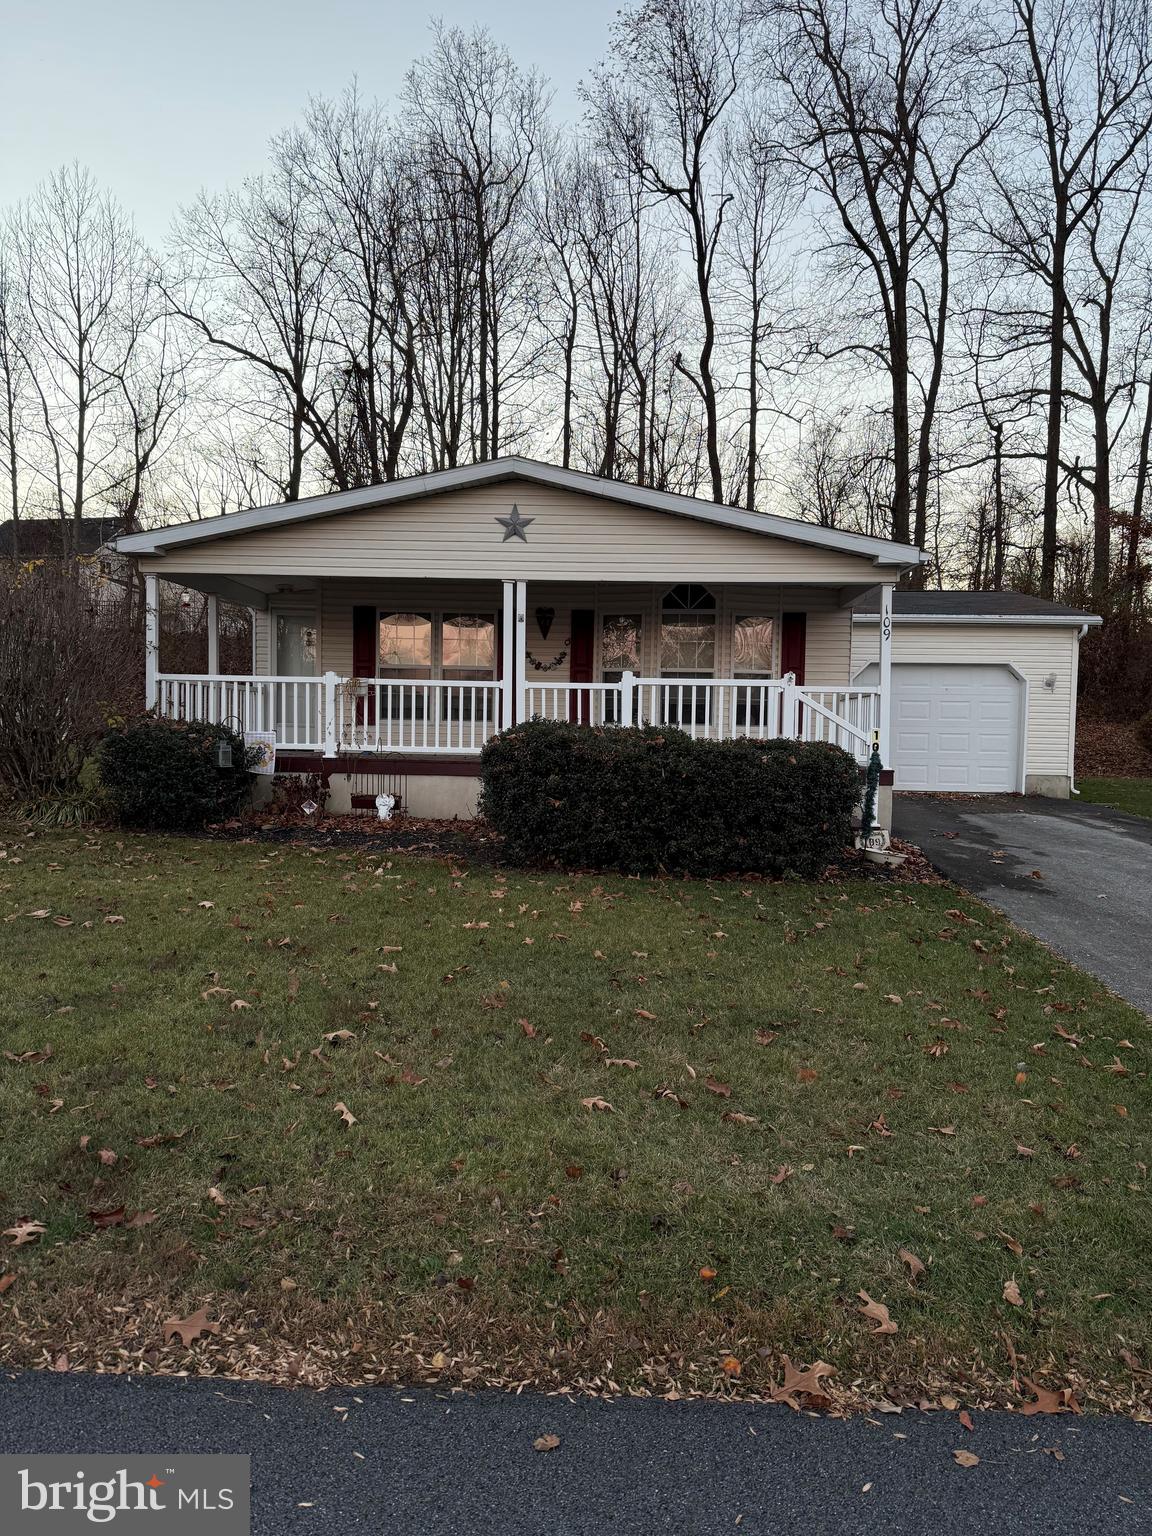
<point x="966" y="1419"/>
<point x="965" y="1458"/>
<point x="801" y="1383"/>
<point x="25" y="1232"/>
<point x="737" y="1117"/>
<point x="916" y="1268"/>
<point x="1011" y="1243"/>
<point x="721" y="1090"/>
<point x="782" y="1173"/>
<point x="546" y="1442"/>
<point x="620" y="1061"/>
<point x="107" y="1157"/>
<point x="707" y="1274"/>
<point x="186" y="1329"/>
<point x="1061" y="1400"/>
<point x="597" y="1103"/>
<point x="1012" y="1294"/>
<point x="344" y="1112"/>
<point x="340" y="1036"/>
<point x="114" y="1218"/>
<point x="731" y="1366"/>
<point x="113" y="917"/>
<point x="6" y="1281"/>
<point x="877" y="1312"/>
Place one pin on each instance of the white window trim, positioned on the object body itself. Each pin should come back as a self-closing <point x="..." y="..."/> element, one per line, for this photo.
<point x="309" y="616"/>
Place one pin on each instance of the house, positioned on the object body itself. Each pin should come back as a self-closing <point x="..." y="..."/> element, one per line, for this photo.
<point x="55" y="538"/>
<point x="399" y="626"/>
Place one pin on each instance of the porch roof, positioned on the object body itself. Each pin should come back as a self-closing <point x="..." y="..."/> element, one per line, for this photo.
<point x="883" y="553"/>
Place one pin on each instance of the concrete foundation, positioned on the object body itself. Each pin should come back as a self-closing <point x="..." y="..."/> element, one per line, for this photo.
<point x="1054" y="786"/>
<point x="437" y="797"/>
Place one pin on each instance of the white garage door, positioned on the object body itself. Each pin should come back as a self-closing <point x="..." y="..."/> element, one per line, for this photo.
<point x="955" y="727"/>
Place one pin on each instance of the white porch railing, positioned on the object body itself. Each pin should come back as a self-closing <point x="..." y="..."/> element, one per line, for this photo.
<point x="434" y="716"/>
<point x="332" y="714"/>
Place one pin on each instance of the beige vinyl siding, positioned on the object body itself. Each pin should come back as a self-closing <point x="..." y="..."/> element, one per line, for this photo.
<point x="1036" y="651"/>
<point x="828" y="630"/>
<point x="581" y="538"/>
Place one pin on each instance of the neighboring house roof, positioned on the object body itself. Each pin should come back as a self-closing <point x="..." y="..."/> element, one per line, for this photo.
<point x="47" y="538"/>
<point x="881" y="551"/>
<point x="972" y="608"/>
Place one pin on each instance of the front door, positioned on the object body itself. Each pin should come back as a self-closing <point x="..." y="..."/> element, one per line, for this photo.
<point x="295" y="657"/>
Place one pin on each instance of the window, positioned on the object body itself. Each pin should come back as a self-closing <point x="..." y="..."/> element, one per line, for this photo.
<point x="754" y="656"/>
<point x="418" y="647"/>
<point x="295" y="645"/>
<point x="754" y="647"/>
<point x="688" y="632"/>
<point x="468" y="647"/>
<point x="619" y="645"/>
<point x="619" y="653"/>
<point x="405" y="648"/>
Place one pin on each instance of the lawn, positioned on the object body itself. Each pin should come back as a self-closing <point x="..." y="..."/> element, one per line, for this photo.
<point x="387" y="1116"/>
<point x="1131" y="795"/>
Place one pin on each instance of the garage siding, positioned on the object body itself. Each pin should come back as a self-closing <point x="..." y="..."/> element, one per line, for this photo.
<point x="1036" y="651"/>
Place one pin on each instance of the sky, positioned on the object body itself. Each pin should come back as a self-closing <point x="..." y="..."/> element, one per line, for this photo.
<point x="160" y="99"/>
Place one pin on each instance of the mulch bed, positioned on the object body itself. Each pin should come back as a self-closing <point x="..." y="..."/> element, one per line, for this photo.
<point x="1110" y="749"/>
<point x="474" y="842"/>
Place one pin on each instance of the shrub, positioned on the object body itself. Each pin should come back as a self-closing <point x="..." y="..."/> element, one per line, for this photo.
<point x="164" y="773"/>
<point x="651" y="800"/>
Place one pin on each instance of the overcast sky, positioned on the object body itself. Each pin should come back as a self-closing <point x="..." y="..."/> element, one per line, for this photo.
<point x="161" y="98"/>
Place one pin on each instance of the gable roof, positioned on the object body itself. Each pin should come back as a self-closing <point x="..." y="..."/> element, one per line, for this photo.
<point x="46" y="538"/>
<point x="883" y="552"/>
<point x="972" y="607"/>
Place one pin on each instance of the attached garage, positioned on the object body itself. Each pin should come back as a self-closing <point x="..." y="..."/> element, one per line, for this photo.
<point x="983" y="690"/>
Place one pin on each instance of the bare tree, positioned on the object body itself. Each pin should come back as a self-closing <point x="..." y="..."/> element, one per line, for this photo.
<point x="479" y="122"/>
<point x="661" y="108"/>
<point x="14" y="389"/>
<point x="83" y="273"/>
<point x="890" y="101"/>
<point x="1083" y="102"/>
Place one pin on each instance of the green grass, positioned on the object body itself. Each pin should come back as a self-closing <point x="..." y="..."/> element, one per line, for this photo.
<point x="485" y="1006"/>
<point x="1131" y="795"/>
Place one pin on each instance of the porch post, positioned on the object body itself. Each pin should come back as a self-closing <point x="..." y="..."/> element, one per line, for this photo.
<point x="508" y="656"/>
<point x="213" y="635"/>
<point x="885" y="721"/>
<point x="520" y="673"/>
<point x="151" y="639"/>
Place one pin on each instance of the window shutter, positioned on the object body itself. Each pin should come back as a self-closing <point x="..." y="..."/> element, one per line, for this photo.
<point x="363" y="640"/>
<point x="793" y="643"/>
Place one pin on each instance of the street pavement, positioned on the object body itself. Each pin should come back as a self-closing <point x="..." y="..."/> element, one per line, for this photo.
<point x="384" y="1459"/>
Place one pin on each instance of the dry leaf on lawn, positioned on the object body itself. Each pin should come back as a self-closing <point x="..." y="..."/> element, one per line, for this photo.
<point x="1012" y="1293"/>
<point x="731" y="1366"/>
<point x="597" y="1103"/>
<point x="344" y="1112"/>
<point x="798" y="1383"/>
<point x="916" y="1267"/>
<point x="25" y="1232"/>
<point x="1048" y="1401"/>
<point x="877" y="1312"/>
<point x="188" y="1328"/>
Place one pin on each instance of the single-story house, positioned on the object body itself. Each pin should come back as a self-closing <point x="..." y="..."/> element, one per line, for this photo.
<point x="398" y="626"/>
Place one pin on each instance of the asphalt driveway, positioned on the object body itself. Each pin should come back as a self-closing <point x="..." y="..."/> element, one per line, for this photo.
<point x="1078" y="876"/>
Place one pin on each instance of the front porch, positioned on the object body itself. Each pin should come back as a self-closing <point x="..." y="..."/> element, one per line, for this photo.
<point x="421" y="673"/>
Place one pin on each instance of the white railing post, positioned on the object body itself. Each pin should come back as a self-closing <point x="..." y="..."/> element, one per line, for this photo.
<point x="627" y="698"/>
<point x="789" y="713"/>
<point x="329" y="683"/>
<point x="885" y="723"/>
<point x="151" y="639"/>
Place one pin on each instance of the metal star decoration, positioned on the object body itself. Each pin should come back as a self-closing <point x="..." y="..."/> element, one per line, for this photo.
<point x="515" y="525"/>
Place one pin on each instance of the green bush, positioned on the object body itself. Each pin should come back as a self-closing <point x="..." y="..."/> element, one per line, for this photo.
<point x="164" y="773"/>
<point x="651" y="800"/>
